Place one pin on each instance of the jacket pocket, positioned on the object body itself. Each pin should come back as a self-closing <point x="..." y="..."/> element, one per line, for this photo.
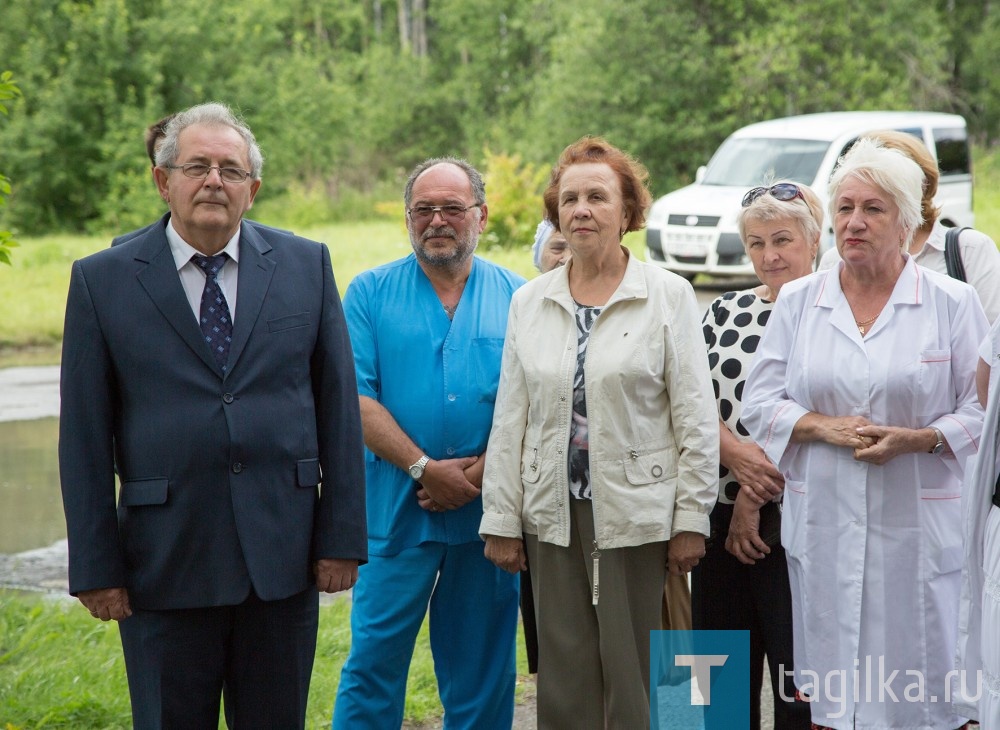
<point x="143" y="492"/>
<point x="288" y="322"/>
<point x="307" y="472"/>
<point x="648" y="466"/>
<point x="531" y="466"/>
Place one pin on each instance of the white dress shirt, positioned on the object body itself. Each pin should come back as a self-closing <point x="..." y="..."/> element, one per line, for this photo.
<point x="193" y="278"/>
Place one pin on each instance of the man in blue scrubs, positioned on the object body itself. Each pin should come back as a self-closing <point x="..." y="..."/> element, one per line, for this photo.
<point x="427" y="332"/>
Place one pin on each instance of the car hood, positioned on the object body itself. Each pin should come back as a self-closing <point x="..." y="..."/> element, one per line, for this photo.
<point x="700" y="200"/>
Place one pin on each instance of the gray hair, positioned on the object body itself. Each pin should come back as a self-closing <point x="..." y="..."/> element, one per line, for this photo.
<point x="475" y="179"/>
<point x="891" y="171"/>
<point x="809" y="217"/>
<point x="211" y="114"/>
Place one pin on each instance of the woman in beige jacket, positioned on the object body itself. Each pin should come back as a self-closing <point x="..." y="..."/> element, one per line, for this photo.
<point x="604" y="448"/>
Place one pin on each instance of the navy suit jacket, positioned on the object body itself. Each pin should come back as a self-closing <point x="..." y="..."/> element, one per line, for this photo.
<point x="227" y="481"/>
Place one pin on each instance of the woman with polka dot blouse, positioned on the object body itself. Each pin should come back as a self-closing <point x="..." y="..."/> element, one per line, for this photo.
<point x="746" y="588"/>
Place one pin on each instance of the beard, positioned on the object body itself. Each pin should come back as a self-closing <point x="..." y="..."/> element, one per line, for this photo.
<point x="454" y="257"/>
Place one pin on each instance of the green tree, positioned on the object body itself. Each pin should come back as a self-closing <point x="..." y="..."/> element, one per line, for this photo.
<point x="979" y="81"/>
<point x="8" y="91"/>
<point x="825" y="55"/>
<point x="642" y="76"/>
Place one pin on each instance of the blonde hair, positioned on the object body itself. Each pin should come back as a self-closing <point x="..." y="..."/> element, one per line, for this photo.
<point x="768" y="208"/>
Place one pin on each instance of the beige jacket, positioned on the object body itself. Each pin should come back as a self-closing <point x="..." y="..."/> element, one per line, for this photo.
<point x="652" y="419"/>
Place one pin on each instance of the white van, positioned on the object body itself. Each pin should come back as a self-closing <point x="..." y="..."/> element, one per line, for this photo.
<point x="693" y="230"/>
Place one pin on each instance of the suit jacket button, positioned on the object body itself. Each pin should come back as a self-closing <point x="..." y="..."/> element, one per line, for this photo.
<point x="228" y="398"/>
<point x="237" y="467"/>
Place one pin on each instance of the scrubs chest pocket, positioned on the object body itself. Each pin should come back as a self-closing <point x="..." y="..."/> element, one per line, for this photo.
<point x="485" y="354"/>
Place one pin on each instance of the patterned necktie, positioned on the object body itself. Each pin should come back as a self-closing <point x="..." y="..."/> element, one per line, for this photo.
<point x="216" y="324"/>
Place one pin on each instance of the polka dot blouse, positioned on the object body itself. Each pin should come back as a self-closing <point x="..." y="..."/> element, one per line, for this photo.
<point x="733" y="326"/>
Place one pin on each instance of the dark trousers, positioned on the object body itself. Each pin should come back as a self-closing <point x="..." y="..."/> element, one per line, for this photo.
<point x="728" y="595"/>
<point x="261" y="652"/>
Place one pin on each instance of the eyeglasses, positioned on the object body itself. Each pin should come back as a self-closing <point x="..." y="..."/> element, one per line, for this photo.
<point x="425" y="213"/>
<point x="781" y="191"/>
<point x="198" y="171"/>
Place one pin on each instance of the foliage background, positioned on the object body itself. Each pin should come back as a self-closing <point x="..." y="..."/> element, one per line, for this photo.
<point x="346" y="95"/>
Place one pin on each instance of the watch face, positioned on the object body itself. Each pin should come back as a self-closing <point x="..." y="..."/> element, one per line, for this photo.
<point x="416" y="472"/>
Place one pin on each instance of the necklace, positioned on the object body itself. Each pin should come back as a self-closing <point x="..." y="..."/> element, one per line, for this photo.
<point x="863" y="325"/>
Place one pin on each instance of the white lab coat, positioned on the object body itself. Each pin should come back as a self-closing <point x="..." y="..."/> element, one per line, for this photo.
<point x="874" y="552"/>
<point x="978" y="631"/>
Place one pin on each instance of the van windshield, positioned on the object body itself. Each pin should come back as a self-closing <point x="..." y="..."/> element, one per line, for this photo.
<point x="745" y="162"/>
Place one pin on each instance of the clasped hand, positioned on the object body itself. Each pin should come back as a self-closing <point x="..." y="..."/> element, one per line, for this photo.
<point x="450" y="483"/>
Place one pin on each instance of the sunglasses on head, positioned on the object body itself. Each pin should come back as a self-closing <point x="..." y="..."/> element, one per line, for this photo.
<point x="781" y="191"/>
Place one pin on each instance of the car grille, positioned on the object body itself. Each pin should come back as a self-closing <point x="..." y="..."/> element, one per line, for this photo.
<point x="678" y="219"/>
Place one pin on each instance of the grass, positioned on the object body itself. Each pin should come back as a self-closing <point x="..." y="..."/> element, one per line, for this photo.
<point x="986" y="195"/>
<point x="61" y="669"/>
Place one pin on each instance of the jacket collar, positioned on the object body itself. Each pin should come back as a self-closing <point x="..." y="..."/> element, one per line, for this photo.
<point x="632" y="286"/>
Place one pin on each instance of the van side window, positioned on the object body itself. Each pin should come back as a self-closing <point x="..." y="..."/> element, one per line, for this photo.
<point x="952" y="151"/>
<point x="915" y="131"/>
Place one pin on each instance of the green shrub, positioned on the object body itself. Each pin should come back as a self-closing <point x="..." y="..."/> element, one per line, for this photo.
<point x="514" y="194"/>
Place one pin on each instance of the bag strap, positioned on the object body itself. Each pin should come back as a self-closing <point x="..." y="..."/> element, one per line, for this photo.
<point x="952" y="256"/>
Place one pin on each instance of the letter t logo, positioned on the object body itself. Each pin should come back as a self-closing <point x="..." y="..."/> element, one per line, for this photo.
<point x="701" y="674"/>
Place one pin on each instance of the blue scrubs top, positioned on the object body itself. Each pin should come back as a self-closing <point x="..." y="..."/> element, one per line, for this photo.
<point x="437" y="377"/>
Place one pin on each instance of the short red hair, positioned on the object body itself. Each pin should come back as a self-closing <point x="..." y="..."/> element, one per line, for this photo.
<point x="632" y="177"/>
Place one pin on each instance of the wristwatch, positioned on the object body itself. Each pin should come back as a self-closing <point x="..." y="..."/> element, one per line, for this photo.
<point x="417" y="470"/>
<point x="939" y="446"/>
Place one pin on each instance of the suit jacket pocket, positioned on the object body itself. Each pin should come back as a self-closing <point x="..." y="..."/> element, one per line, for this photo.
<point x="307" y="472"/>
<point x="285" y="323"/>
<point x="143" y="492"/>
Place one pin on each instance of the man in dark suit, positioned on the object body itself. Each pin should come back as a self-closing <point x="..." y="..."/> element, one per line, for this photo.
<point x="233" y="424"/>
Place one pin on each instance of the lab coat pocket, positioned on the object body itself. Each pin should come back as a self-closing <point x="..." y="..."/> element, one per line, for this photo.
<point x="935" y="371"/>
<point x="793" y="519"/>
<point x="942" y="524"/>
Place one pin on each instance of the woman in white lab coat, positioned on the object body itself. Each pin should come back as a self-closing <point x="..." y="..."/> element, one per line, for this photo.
<point x="977" y="686"/>
<point x="863" y="393"/>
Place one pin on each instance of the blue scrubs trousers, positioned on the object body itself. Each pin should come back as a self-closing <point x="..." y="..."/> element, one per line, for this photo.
<point x="473" y="623"/>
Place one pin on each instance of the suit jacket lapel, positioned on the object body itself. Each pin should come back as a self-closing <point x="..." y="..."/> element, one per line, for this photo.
<point x="160" y="280"/>
<point x="256" y="270"/>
